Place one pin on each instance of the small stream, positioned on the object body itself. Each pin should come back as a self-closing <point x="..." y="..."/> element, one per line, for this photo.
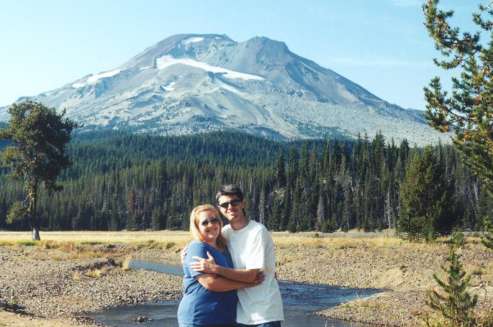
<point x="300" y="301"/>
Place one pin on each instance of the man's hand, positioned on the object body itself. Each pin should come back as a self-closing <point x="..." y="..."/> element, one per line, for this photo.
<point x="207" y="266"/>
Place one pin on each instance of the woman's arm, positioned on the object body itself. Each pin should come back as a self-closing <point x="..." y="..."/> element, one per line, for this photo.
<point x="220" y="284"/>
<point x="209" y="266"/>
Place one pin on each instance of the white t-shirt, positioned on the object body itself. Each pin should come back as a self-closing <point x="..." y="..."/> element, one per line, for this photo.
<point x="252" y="248"/>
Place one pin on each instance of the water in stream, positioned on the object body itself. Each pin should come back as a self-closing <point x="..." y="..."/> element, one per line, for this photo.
<point x="300" y="301"/>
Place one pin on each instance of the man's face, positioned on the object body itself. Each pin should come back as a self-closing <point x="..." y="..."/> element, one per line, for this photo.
<point x="231" y="207"/>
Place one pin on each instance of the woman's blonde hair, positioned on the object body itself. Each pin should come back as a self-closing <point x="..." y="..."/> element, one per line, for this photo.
<point x="194" y="227"/>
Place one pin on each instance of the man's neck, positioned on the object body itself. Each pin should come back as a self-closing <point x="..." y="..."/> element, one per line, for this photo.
<point x="239" y="223"/>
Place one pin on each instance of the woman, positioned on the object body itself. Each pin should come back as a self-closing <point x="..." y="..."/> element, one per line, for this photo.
<point x="208" y="300"/>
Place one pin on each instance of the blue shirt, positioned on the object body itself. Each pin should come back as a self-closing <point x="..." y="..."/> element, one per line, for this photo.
<point x="199" y="305"/>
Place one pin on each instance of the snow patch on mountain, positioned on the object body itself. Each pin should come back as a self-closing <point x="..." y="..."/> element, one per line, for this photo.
<point x="167" y="61"/>
<point x="193" y="40"/>
<point x="230" y="88"/>
<point x="79" y="85"/>
<point x="169" y="87"/>
<point x="93" y="79"/>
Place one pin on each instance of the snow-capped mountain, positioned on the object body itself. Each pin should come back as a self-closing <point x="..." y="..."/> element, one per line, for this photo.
<point x="193" y="83"/>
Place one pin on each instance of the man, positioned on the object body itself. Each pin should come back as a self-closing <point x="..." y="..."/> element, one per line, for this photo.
<point x="252" y="251"/>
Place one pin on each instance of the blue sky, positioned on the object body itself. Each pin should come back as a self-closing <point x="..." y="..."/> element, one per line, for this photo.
<point x="381" y="45"/>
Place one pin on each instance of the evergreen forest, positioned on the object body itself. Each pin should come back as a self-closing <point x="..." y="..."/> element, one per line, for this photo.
<point x="136" y="182"/>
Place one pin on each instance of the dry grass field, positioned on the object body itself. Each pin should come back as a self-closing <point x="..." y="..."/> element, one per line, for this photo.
<point x="179" y="237"/>
<point x="69" y="263"/>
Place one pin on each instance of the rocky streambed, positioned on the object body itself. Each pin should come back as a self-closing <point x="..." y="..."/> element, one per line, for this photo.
<point x="67" y="288"/>
<point x="65" y="282"/>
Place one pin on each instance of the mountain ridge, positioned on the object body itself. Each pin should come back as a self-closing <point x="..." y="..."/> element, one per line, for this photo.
<point x="193" y="83"/>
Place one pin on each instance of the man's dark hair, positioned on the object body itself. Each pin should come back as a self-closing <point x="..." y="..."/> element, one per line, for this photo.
<point x="230" y="189"/>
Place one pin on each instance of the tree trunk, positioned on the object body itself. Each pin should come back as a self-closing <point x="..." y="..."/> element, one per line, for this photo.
<point x="388" y="210"/>
<point x="32" y="198"/>
<point x="35" y="235"/>
<point x="261" y="207"/>
<point x="320" y="212"/>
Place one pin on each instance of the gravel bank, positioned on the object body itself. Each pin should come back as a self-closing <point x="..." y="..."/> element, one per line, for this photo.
<point x="66" y="282"/>
<point x="68" y="288"/>
<point x="403" y="271"/>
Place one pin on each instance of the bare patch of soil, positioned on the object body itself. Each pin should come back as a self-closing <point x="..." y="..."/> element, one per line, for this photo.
<point x="63" y="280"/>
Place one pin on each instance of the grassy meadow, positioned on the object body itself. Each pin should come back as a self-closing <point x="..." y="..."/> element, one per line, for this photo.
<point x="179" y="237"/>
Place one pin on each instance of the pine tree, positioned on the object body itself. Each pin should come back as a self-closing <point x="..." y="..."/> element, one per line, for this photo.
<point x="286" y="210"/>
<point x="294" y="223"/>
<point x="348" y="209"/>
<point x="444" y="211"/>
<point x="468" y="111"/>
<point x="487" y="237"/>
<point x="426" y="201"/>
<point x="321" y="212"/>
<point x="262" y="206"/>
<point x="454" y="302"/>
<point x="293" y="168"/>
<point x="281" y="170"/>
<point x="276" y="215"/>
<point x="121" y="183"/>
<point x="156" y="219"/>
<point x="37" y="155"/>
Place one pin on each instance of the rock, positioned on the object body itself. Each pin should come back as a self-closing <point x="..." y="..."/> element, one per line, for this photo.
<point x="12" y="307"/>
<point x="141" y="319"/>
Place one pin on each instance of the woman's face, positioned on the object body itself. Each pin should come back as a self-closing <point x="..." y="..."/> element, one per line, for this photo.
<point x="209" y="226"/>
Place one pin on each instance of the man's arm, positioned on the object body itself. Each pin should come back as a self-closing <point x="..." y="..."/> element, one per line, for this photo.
<point x="242" y="275"/>
<point x="208" y="266"/>
<point x="219" y="284"/>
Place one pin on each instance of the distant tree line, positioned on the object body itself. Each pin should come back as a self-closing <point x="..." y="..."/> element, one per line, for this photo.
<point x="121" y="181"/>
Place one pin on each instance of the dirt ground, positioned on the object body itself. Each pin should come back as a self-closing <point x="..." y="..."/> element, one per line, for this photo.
<point x="10" y="319"/>
<point x="69" y="274"/>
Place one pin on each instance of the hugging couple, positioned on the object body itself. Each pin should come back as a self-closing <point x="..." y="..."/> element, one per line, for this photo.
<point x="229" y="272"/>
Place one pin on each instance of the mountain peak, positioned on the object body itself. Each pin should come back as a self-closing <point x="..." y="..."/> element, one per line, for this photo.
<point x="179" y="45"/>
<point x="263" y="41"/>
<point x="193" y="39"/>
<point x="191" y="83"/>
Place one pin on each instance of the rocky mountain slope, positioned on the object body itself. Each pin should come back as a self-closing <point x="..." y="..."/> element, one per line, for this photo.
<point x="193" y="83"/>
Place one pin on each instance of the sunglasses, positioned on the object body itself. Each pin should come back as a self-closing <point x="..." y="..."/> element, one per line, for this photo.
<point x="213" y="221"/>
<point x="233" y="203"/>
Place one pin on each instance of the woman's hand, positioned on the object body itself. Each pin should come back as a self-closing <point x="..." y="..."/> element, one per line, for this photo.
<point x="207" y="266"/>
<point x="259" y="278"/>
